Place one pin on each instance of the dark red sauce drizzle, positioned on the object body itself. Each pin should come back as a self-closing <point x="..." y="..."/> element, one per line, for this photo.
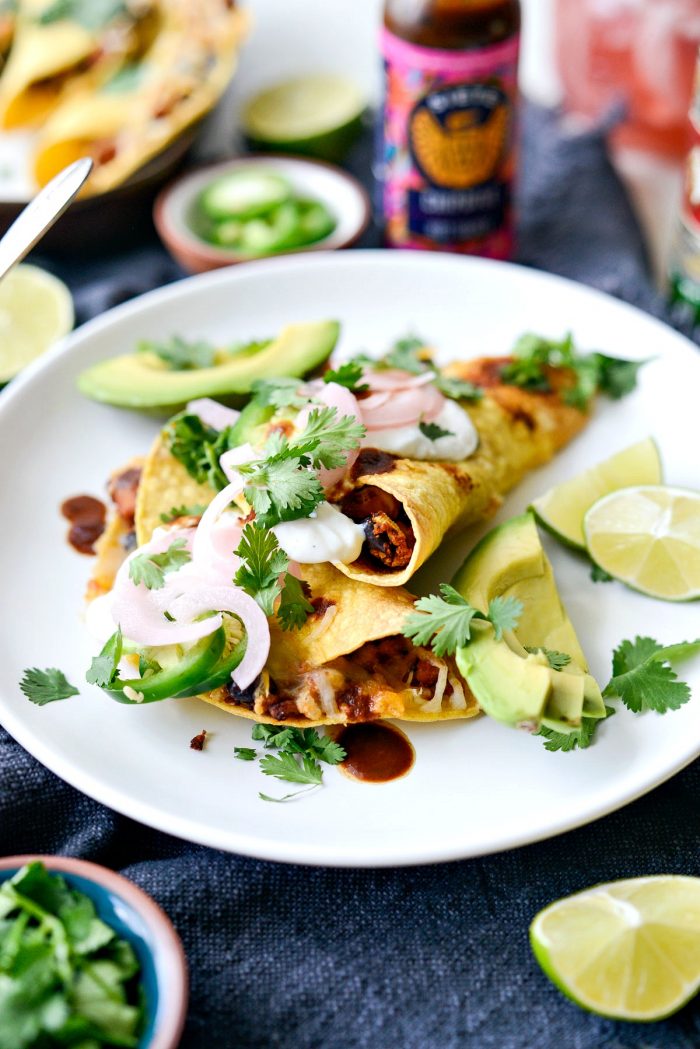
<point x="376" y="752"/>
<point x="87" y="517"/>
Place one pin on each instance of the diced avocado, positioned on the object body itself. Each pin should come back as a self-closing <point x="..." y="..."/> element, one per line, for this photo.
<point x="143" y="380"/>
<point x="511" y="683"/>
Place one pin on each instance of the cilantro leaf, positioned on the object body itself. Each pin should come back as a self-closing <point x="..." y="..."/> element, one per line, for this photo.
<point x="349" y="375"/>
<point x="592" y="372"/>
<point x="599" y="575"/>
<point x="199" y="447"/>
<point x="245" y="753"/>
<point x="196" y="510"/>
<point x="288" y="797"/>
<point x="294" y="606"/>
<point x="580" y="737"/>
<point x="457" y="389"/>
<point x="283" y="392"/>
<point x="104" y="668"/>
<point x="617" y="377"/>
<point x="46" y="686"/>
<point x="433" y="432"/>
<point x="643" y="677"/>
<point x="557" y="660"/>
<point x="262" y="564"/>
<point x="445" y="622"/>
<point x="408" y="354"/>
<point x="287" y="767"/>
<point x="151" y="569"/>
<point x="282" y="485"/>
<point x="504" y="613"/>
<point x="179" y="354"/>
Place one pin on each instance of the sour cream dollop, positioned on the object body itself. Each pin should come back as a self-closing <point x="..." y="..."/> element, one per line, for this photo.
<point x="461" y="441"/>
<point x="327" y="535"/>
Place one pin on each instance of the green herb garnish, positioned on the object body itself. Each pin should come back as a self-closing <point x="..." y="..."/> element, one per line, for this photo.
<point x="196" y="510"/>
<point x="349" y="375"/>
<point x="279" y="393"/>
<point x="445" y="622"/>
<point x="300" y="753"/>
<point x="282" y="484"/>
<point x="264" y="563"/>
<point x="643" y="677"/>
<point x="91" y="14"/>
<point x="66" y="977"/>
<point x="46" y="686"/>
<point x="199" y="447"/>
<point x="104" y="668"/>
<point x="556" y="660"/>
<point x="434" y="432"/>
<point x="578" y="738"/>
<point x="179" y="354"/>
<point x="593" y="372"/>
<point x="599" y="575"/>
<point x="245" y="753"/>
<point x="151" y="569"/>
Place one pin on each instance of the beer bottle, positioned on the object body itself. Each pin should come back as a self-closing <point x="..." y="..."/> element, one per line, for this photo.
<point x="445" y="156"/>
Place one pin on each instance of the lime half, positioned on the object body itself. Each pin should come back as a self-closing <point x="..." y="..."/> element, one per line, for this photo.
<point x="36" y="310"/>
<point x="649" y="538"/>
<point x="315" y="115"/>
<point x="629" y="950"/>
<point x="561" y="510"/>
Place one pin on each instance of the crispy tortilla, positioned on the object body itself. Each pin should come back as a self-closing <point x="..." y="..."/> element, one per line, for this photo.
<point x="518" y="431"/>
<point x="141" y="111"/>
<point x="352" y="643"/>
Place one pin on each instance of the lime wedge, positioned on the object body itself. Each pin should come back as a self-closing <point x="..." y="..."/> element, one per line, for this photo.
<point x="648" y="537"/>
<point x="36" y="310"/>
<point x="629" y="950"/>
<point x="561" y="510"/>
<point x="316" y="115"/>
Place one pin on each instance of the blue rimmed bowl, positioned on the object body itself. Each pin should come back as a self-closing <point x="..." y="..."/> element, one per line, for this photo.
<point x="138" y="919"/>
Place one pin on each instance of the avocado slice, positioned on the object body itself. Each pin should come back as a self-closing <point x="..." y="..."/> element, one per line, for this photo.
<point x="143" y="380"/>
<point x="513" y="684"/>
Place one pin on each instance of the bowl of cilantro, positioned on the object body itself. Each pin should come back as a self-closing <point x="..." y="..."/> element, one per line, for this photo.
<point x="86" y="959"/>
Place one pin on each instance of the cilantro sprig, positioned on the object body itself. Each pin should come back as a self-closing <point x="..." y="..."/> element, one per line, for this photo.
<point x="104" y="669"/>
<point x="283" y="392"/>
<point x="264" y="563"/>
<point x="195" y="510"/>
<point x="46" y="686"/>
<point x="151" y="569"/>
<point x="434" y="432"/>
<point x="282" y="484"/>
<point x="199" y="447"/>
<point x="300" y="753"/>
<point x="643" y="677"/>
<point x="445" y="622"/>
<point x="180" y="354"/>
<point x="557" y="660"/>
<point x="348" y="375"/>
<point x="578" y="738"/>
<point x="66" y="976"/>
<point x="593" y="372"/>
<point x="411" y="354"/>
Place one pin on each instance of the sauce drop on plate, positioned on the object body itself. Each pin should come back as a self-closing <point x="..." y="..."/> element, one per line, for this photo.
<point x="376" y="752"/>
<point x="87" y="517"/>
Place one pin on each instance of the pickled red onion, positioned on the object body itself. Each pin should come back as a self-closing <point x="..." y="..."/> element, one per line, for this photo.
<point x="394" y="379"/>
<point x="198" y="599"/>
<point x="214" y="544"/>
<point x="212" y="413"/>
<point x="405" y="407"/>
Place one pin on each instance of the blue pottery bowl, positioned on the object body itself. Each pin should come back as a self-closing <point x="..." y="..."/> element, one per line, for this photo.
<point x="138" y="919"/>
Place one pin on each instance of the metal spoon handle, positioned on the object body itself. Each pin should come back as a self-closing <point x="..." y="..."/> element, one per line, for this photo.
<point x="40" y="214"/>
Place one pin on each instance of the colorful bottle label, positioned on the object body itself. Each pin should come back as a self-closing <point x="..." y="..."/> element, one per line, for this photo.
<point x="446" y="154"/>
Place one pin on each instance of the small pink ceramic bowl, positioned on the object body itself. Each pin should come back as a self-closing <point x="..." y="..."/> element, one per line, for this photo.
<point x="342" y="194"/>
<point x="138" y="919"/>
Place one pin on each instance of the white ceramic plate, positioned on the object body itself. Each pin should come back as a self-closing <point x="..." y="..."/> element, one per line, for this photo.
<point x="476" y="787"/>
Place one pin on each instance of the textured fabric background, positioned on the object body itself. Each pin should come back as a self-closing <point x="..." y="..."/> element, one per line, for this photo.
<point x="426" y="958"/>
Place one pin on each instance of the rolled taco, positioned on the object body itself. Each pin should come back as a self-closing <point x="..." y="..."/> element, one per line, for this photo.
<point x="140" y="110"/>
<point x="58" y="51"/>
<point x="407" y="506"/>
<point x="348" y="663"/>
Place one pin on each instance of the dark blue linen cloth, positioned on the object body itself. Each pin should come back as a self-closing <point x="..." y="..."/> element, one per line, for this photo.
<point x="424" y="958"/>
